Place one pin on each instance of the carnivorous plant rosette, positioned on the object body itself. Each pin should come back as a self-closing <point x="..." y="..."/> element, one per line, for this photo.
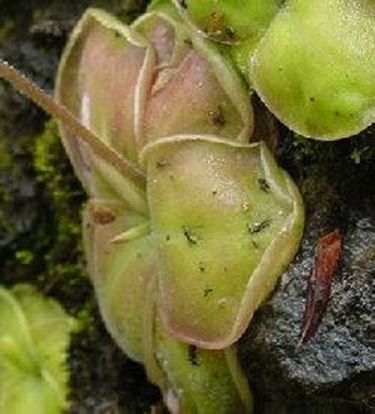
<point x="208" y="190"/>
<point x="188" y="225"/>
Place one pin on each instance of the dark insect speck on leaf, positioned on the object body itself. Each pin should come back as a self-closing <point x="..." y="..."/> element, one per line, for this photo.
<point x="162" y="163"/>
<point x="192" y="355"/>
<point x="264" y="186"/>
<point x="255" y="244"/>
<point x="217" y="117"/>
<point x="117" y="34"/>
<point x="189" y="235"/>
<point x="207" y="291"/>
<point x="188" y="42"/>
<point x="259" y="227"/>
<point x="230" y="33"/>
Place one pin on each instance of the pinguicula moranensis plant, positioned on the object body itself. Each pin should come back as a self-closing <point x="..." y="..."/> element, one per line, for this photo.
<point x="201" y="237"/>
<point x="122" y="263"/>
<point x="189" y="222"/>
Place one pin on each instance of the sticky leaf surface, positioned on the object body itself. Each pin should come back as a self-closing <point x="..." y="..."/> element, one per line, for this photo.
<point x="315" y="67"/>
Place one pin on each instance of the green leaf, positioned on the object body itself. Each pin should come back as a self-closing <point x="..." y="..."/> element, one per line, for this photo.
<point x="34" y="337"/>
<point x="195" y="90"/>
<point x="208" y="191"/>
<point x="224" y="240"/>
<point x="121" y="260"/>
<point x="234" y="20"/>
<point x="236" y="24"/>
<point x="122" y="266"/>
<point x="103" y="79"/>
<point x="315" y="67"/>
<point x="201" y="381"/>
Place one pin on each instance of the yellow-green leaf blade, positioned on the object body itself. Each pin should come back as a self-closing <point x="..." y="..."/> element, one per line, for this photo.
<point x="217" y="237"/>
<point x="315" y="67"/>
<point x="34" y="338"/>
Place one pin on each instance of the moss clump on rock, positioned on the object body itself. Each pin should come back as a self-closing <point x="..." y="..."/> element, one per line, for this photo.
<point x="63" y="262"/>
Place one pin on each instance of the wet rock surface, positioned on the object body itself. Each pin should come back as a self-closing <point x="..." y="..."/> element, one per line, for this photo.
<point x="335" y="371"/>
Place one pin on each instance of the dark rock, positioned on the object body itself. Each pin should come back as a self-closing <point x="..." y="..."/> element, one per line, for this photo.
<point x="103" y="380"/>
<point x="335" y="371"/>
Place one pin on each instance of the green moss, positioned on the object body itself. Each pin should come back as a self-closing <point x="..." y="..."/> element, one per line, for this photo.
<point x="64" y="276"/>
<point x="5" y="28"/>
<point x="52" y="166"/>
<point x="5" y="158"/>
<point x="6" y="226"/>
<point x="318" y="158"/>
<point x="64" y="268"/>
<point x="25" y="256"/>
